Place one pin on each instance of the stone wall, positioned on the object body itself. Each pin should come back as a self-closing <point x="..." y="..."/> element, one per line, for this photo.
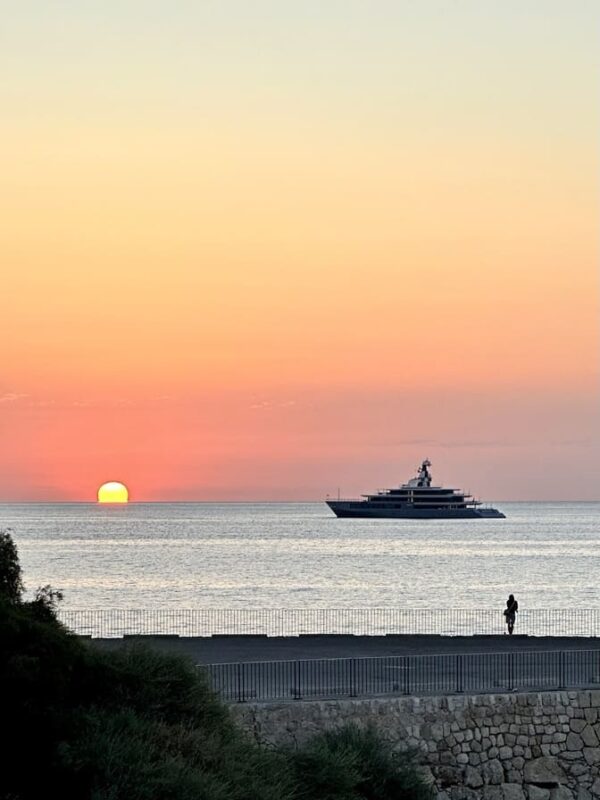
<point x="538" y="746"/>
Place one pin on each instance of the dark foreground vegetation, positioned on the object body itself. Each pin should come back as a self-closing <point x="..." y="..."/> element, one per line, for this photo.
<point x="79" y="722"/>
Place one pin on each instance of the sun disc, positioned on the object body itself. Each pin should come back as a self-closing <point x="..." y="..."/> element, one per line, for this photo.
<point x="113" y="492"/>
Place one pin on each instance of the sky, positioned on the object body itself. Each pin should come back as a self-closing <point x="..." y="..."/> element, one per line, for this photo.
<point x="271" y="250"/>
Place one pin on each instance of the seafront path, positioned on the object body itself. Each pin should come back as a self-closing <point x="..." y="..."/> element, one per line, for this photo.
<point x="231" y="648"/>
<point x="261" y="668"/>
<point x="269" y="654"/>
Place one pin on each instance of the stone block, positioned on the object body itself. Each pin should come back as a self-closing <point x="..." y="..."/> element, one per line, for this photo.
<point x="561" y="793"/>
<point x="588" y="734"/>
<point x="578" y="725"/>
<point x="437" y="732"/>
<point x="591" y="755"/>
<point x="583" y="794"/>
<point x="505" y="752"/>
<point x="574" y="741"/>
<point x="492" y="772"/>
<point x="463" y="793"/>
<point x="595" y="698"/>
<point x="591" y="715"/>
<point x="491" y="793"/>
<point x="512" y="791"/>
<point x="579" y="769"/>
<point x="462" y="758"/>
<point x="447" y="775"/>
<point x="595" y="788"/>
<point x="538" y="793"/>
<point x="474" y="759"/>
<point x="545" y="770"/>
<point x="514" y="776"/>
<point x="472" y="778"/>
<point x="533" y="699"/>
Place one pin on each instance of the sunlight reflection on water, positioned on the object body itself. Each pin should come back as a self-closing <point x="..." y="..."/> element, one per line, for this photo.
<point x="292" y="555"/>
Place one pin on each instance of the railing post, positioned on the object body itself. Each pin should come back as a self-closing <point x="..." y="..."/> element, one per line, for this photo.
<point x="562" y="680"/>
<point x="241" y="683"/>
<point x="406" y="674"/>
<point x="459" y="673"/>
<point x="297" y="693"/>
<point x="353" y="691"/>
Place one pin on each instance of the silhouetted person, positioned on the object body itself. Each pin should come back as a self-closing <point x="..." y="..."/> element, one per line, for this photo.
<point x="510" y="612"/>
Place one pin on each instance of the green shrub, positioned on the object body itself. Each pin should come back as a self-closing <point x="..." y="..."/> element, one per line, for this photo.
<point x="351" y="763"/>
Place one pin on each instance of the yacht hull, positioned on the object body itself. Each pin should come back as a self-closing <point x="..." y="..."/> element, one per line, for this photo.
<point x="366" y="510"/>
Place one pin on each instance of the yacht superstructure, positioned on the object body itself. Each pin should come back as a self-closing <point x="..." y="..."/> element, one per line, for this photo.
<point x="417" y="499"/>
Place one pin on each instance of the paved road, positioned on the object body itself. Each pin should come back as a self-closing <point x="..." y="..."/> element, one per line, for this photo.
<point x="228" y="649"/>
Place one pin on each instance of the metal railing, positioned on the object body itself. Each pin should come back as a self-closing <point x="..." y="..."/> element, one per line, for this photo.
<point x="405" y="675"/>
<point x="116" y="622"/>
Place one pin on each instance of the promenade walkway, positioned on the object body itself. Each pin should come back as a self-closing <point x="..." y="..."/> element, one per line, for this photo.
<point x="232" y="648"/>
<point x="259" y="668"/>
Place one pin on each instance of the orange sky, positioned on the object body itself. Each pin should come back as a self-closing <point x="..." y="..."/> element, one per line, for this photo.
<point x="266" y="255"/>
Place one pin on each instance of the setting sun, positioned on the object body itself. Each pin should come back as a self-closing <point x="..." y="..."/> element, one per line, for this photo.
<point x="113" y="492"/>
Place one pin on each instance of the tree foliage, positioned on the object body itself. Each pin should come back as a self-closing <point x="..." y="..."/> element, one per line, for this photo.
<point x="11" y="583"/>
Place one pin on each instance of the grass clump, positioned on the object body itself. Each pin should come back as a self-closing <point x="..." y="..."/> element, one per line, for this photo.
<point x="83" y="723"/>
<point x="352" y="763"/>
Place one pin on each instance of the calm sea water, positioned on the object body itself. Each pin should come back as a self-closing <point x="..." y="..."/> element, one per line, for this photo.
<point x="292" y="555"/>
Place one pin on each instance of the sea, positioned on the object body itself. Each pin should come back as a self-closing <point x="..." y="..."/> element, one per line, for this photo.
<point x="298" y="555"/>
